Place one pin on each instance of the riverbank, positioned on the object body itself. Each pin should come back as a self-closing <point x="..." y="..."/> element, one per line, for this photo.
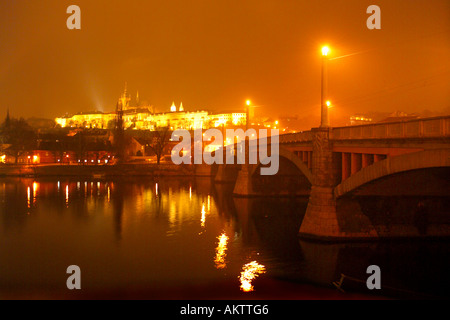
<point x="127" y="169"/>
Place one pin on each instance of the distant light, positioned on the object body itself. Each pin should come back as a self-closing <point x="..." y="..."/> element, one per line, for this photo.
<point x="276" y="122"/>
<point x="248" y="102"/>
<point x="325" y="51"/>
<point x="328" y="104"/>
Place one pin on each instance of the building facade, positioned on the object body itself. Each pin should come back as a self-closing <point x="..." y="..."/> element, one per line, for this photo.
<point x="143" y="118"/>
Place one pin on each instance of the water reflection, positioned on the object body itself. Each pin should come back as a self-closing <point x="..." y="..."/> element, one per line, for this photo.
<point x="221" y="251"/>
<point x="250" y="271"/>
<point x="203" y="219"/>
<point x="67" y="196"/>
<point x="35" y="191"/>
<point x="118" y="204"/>
<point x="142" y="232"/>
<point x="29" y="197"/>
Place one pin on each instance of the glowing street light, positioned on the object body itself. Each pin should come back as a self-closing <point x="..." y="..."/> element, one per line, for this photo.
<point x="328" y="104"/>
<point x="324" y="120"/>
<point x="325" y="51"/>
<point x="247" y="112"/>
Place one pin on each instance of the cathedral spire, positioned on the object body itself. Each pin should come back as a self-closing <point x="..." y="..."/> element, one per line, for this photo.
<point x="125" y="99"/>
<point x="8" y="119"/>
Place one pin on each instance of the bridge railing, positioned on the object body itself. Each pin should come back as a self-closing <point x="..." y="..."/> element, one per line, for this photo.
<point x="304" y="136"/>
<point x="417" y="128"/>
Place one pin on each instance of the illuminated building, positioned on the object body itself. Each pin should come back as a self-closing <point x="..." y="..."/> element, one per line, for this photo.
<point x="359" y="119"/>
<point x="142" y="118"/>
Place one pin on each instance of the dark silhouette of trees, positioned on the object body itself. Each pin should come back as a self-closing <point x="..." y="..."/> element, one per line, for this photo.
<point x="160" y="142"/>
<point x="19" y="137"/>
<point x="119" y="136"/>
<point x="80" y="146"/>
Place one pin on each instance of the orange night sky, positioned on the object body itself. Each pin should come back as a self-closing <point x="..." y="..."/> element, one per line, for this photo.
<point x="215" y="54"/>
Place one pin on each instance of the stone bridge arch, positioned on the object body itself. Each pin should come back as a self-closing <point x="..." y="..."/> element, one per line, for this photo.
<point x="389" y="166"/>
<point x="298" y="163"/>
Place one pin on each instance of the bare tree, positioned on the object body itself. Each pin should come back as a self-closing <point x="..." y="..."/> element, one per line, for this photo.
<point x="160" y="142"/>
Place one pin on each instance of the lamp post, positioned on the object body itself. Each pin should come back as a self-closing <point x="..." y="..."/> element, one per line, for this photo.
<point x="324" y="120"/>
<point x="247" y="110"/>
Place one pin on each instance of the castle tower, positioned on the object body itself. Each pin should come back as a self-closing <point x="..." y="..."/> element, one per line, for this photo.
<point x="7" y="119"/>
<point x="138" y="102"/>
<point x="181" y="107"/>
<point x="173" y="108"/>
<point x="125" y="99"/>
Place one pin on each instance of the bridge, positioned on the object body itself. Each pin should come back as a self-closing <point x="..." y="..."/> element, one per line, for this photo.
<point x="331" y="165"/>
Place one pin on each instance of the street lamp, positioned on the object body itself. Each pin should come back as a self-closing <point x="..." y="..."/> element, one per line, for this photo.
<point x="324" y="120"/>
<point x="247" y="110"/>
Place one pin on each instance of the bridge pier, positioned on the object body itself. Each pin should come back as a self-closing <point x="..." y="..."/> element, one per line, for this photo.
<point x="226" y="173"/>
<point x="325" y="218"/>
<point x="321" y="217"/>
<point x="244" y="186"/>
<point x="320" y="220"/>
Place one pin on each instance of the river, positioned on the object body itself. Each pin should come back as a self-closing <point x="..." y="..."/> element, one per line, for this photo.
<point x="186" y="238"/>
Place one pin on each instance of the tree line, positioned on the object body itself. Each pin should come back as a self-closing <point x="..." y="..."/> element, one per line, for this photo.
<point x="17" y="138"/>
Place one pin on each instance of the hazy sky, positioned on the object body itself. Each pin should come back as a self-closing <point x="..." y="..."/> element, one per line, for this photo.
<point x="215" y="54"/>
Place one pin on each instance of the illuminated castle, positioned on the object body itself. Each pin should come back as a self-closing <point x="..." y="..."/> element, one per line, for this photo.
<point x="144" y="118"/>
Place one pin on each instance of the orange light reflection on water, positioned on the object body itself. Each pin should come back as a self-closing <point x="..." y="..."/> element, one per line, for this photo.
<point x="203" y="219"/>
<point x="35" y="191"/>
<point x="29" y="197"/>
<point x="67" y="195"/>
<point x="250" y="271"/>
<point x="221" y="251"/>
